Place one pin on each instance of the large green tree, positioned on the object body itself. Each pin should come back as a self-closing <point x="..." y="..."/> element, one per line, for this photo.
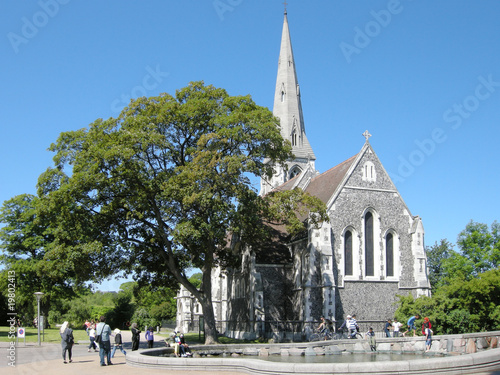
<point x="478" y="252"/>
<point x="480" y="246"/>
<point x="24" y="242"/>
<point x="436" y="255"/>
<point x="160" y="188"/>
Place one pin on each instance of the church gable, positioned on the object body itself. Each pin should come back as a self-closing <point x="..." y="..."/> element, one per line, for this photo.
<point x="368" y="172"/>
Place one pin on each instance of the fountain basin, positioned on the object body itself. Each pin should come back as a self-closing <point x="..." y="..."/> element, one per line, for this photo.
<point x="219" y="358"/>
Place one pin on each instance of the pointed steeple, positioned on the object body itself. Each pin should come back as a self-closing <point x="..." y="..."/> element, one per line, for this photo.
<point x="287" y="104"/>
<point x="288" y="108"/>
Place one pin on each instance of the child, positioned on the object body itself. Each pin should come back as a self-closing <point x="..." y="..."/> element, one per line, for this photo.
<point x="371" y="339"/>
<point x="150" y="337"/>
<point x="428" y="338"/>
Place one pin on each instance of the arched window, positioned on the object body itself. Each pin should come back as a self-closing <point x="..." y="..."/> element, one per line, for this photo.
<point x="389" y="254"/>
<point x="348" y="253"/>
<point x="369" y="173"/>
<point x="294" y="138"/>
<point x="295" y="171"/>
<point x="369" y="256"/>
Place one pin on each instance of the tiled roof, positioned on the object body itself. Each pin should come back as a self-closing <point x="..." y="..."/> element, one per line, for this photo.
<point x="324" y="185"/>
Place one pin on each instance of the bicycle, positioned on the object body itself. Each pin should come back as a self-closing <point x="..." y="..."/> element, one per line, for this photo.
<point x="319" y="336"/>
<point x="354" y="335"/>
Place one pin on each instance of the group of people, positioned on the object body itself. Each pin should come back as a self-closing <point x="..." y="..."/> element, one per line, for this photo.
<point x="394" y="326"/>
<point x="181" y="348"/>
<point x="136" y="336"/>
<point x="352" y="327"/>
<point x="100" y="340"/>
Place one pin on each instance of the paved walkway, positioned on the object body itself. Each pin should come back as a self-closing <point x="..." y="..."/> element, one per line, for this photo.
<point x="47" y="359"/>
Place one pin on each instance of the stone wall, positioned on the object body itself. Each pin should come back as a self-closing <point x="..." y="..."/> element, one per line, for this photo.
<point x="372" y="302"/>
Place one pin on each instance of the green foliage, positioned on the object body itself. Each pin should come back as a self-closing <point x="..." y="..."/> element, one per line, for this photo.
<point x="462" y="306"/>
<point x="196" y="280"/>
<point x="24" y="242"/>
<point x="156" y="190"/>
<point x="122" y="310"/>
<point x="479" y="251"/>
<point x="480" y="246"/>
<point x="436" y="255"/>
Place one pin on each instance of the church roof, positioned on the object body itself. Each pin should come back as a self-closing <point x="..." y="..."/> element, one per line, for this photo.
<point x="324" y="185"/>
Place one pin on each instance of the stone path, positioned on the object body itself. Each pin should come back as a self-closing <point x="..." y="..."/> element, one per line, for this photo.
<point x="47" y="359"/>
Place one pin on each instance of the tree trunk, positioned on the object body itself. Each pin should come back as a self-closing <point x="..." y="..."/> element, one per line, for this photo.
<point x="210" y="326"/>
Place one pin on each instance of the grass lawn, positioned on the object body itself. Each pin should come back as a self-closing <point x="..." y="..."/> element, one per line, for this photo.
<point x="51" y="335"/>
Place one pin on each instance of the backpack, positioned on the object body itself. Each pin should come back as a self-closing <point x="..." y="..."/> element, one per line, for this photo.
<point x="68" y="336"/>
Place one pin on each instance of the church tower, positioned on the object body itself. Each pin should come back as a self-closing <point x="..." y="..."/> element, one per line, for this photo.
<point x="288" y="108"/>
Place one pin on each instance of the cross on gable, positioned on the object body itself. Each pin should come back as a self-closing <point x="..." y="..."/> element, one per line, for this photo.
<point x="367" y="135"/>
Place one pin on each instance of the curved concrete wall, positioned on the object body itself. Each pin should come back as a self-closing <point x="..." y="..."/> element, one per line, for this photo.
<point x="482" y="362"/>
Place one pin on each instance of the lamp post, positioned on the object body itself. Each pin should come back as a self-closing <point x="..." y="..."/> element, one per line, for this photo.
<point x="38" y="297"/>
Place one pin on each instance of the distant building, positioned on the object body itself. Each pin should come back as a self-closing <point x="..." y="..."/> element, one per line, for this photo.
<point x="371" y="250"/>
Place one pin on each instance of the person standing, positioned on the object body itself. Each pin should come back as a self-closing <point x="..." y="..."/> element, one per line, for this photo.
<point x="371" y="339"/>
<point x="426" y="324"/>
<point x="150" y="338"/>
<point x="387" y="328"/>
<point x="396" y="326"/>
<point x="67" y="341"/>
<point x="135" y="336"/>
<point x="104" y="332"/>
<point x="428" y="337"/>
<point x="118" y="343"/>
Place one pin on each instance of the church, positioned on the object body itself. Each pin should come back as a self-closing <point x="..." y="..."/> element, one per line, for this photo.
<point x="371" y="250"/>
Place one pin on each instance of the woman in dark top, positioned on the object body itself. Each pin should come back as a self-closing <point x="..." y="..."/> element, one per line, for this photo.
<point x="67" y="341"/>
<point x="135" y="336"/>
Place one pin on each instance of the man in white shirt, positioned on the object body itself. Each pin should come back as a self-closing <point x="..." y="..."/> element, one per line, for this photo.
<point x="396" y="326"/>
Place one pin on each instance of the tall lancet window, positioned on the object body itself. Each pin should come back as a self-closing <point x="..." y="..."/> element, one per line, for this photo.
<point x="348" y="252"/>
<point x="294" y="138"/>
<point x="389" y="254"/>
<point x="369" y="258"/>
<point x="282" y="96"/>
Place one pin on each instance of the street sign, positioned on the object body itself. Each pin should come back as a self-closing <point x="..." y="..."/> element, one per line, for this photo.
<point x="20" y="333"/>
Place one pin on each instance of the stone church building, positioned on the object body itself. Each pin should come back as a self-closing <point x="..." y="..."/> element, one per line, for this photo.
<point x="371" y="250"/>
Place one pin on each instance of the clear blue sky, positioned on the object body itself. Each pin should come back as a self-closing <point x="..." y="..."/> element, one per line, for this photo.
<point x="422" y="76"/>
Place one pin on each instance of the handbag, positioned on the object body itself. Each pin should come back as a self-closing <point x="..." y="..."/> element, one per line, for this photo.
<point x="99" y="337"/>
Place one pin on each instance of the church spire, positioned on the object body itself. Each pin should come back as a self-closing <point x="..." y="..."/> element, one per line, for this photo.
<point x="288" y="108"/>
<point x="287" y="104"/>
